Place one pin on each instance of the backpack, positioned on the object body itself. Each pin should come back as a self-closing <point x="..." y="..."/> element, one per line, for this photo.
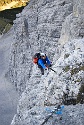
<point x="36" y="57"/>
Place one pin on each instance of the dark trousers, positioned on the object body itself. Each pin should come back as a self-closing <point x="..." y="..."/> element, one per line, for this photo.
<point x="41" y="68"/>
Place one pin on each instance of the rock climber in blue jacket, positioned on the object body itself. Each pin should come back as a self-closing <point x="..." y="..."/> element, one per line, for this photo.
<point x="43" y="63"/>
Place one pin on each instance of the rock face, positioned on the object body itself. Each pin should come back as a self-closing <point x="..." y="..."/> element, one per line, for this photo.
<point x="74" y="22"/>
<point x="37" y="28"/>
<point x="55" y="27"/>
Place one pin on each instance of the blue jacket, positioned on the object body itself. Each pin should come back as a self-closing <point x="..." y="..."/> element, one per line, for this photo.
<point x="42" y="62"/>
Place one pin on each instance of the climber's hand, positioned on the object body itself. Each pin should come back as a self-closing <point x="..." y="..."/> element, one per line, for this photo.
<point x="46" y="68"/>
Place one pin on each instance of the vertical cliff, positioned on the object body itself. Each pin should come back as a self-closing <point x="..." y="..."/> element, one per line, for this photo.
<point x="37" y="28"/>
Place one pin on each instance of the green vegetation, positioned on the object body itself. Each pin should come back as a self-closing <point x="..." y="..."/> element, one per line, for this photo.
<point x="80" y="97"/>
<point x="10" y="13"/>
<point x="76" y="70"/>
<point x="78" y="80"/>
<point x="7" y="17"/>
<point x="7" y="28"/>
<point x="4" y="24"/>
<point x="66" y="69"/>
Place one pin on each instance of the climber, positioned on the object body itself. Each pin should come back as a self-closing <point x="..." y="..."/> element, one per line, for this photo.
<point x="43" y="63"/>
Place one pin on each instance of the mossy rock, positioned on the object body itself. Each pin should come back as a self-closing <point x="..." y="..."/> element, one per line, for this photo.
<point x="78" y="80"/>
<point x="66" y="69"/>
<point x="76" y="70"/>
<point x="82" y="68"/>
